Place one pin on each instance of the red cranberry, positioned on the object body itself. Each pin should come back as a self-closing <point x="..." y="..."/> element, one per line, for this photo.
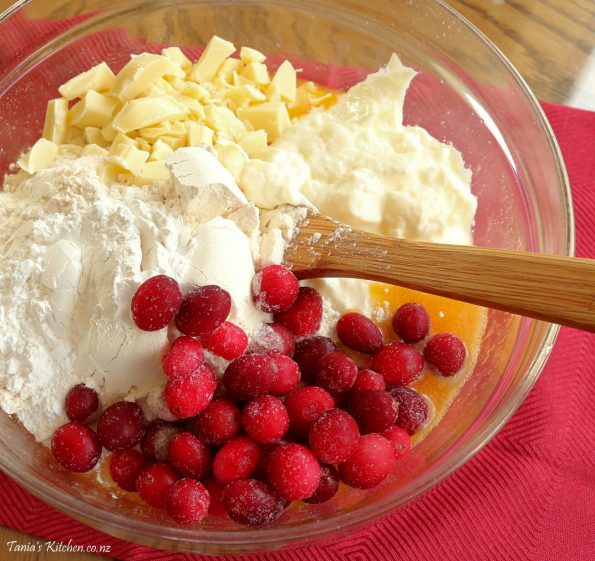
<point x="304" y="405"/>
<point x="368" y="380"/>
<point x="154" y="482"/>
<point x="374" y="410"/>
<point x="218" y="423"/>
<point x="309" y="351"/>
<point x="76" y="447"/>
<point x="411" y="322"/>
<point x="156" y="440"/>
<point x="333" y="436"/>
<point x="359" y="333"/>
<point x="327" y="486"/>
<point x="446" y="353"/>
<point x="189" y="456"/>
<point x="183" y="358"/>
<point x="273" y="338"/>
<point x="187" y="396"/>
<point x="203" y="310"/>
<point x="155" y="303"/>
<point x="81" y="403"/>
<point x="293" y="471"/>
<point x="400" y="439"/>
<point x="187" y="501"/>
<point x="236" y="459"/>
<point x="265" y="419"/>
<point x="274" y="289"/>
<point x="125" y="466"/>
<point x="413" y="408"/>
<point x="288" y="374"/>
<point x="215" y="490"/>
<point x="371" y="462"/>
<point x="121" y="425"/>
<point x="252" y="503"/>
<point x="399" y="363"/>
<point x="304" y="316"/>
<point x="227" y="341"/>
<point x="336" y="372"/>
<point x="250" y="376"/>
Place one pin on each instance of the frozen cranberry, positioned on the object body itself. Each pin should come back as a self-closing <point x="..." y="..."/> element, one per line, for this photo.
<point x="327" y="486"/>
<point x="121" y="425"/>
<point x="76" y="447"/>
<point x="309" y="351"/>
<point x="187" y="501"/>
<point x="189" y="456"/>
<point x="183" y="358"/>
<point x="411" y="322"/>
<point x="273" y="338"/>
<point x="227" y="341"/>
<point x="265" y="419"/>
<point x="125" y="466"/>
<point x="156" y="440"/>
<point x="218" y="423"/>
<point x="236" y="459"/>
<point x="446" y="353"/>
<point x="368" y="380"/>
<point x="215" y="490"/>
<point x="413" y="409"/>
<point x="399" y="363"/>
<point x="333" y="436"/>
<point x="293" y="471"/>
<point x="371" y="462"/>
<point x="374" y="410"/>
<point x="336" y="372"/>
<point x="252" y="503"/>
<point x="288" y="374"/>
<point x="81" y="403"/>
<point x="304" y="316"/>
<point x="155" y="303"/>
<point x="400" y="439"/>
<point x="187" y="396"/>
<point x="359" y="333"/>
<point x="249" y="376"/>
<point x="154" y="482"/>
<point x="203" y="310"/>
<point x="304" y="405"/>
<point x="274" y="289"/>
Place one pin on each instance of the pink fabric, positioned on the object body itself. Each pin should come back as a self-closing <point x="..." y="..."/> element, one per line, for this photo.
<point x="527" y="496"/>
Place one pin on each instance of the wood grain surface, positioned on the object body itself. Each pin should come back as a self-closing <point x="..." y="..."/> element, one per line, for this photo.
<point x="551" y="43"/>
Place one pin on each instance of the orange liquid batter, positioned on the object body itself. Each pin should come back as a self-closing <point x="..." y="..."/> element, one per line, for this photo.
<point x="466" y="321"/>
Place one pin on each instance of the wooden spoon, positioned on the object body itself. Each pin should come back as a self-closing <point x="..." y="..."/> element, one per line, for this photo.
<point x="547" y="287"/>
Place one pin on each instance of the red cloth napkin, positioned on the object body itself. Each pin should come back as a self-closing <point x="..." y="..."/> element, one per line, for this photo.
<point x="527" y="496"/>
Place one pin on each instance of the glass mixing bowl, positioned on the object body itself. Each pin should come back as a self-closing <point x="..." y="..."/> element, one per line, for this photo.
<point x="466" y="93"/>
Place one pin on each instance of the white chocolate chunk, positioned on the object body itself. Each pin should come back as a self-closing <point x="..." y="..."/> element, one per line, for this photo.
<point x="109" y="132"/>
<point x="257" y="73"/>
<point x="160" y="151"/>
<point x="271" y="116"/>
<point x="199" y="135"/>
<point x="56" y="121"/>
<point x="122" y="139"/>
<point x="232" y="156"/>
<point x="284" y="81"/>
<point x="146" y="111"/>
<point x="41" y="155"/>
<point x="142" y="72"/>
<point x="93" y="135"/>
<point x="216" y="51"/>
<point x="253" y="142"/>
<point x="244" y="95"/>
<point x="94" y="150"/>
<point x="99" y="78"/>
<point x="251" y="55"/>
<point x="228" y="67"/>
<point x="192" y="89"/>
<point x="128" y="157"/>
<point x="142" y="144"/>
<point x="176" y="54"/>
<point x="223" y="121"/>
<point x="93" y="110"/>
<point x="150" y="172"/>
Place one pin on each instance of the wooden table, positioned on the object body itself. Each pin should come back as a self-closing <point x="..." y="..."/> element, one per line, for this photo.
<point x="551" y="43"/>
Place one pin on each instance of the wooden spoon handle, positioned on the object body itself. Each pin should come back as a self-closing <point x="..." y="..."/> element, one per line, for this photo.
<point x="556" y="289"/>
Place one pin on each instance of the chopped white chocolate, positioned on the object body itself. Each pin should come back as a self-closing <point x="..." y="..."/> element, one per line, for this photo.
<point x="199" y="135"/>
<point x="121" y="138"/>
<point x="232" y="156"/>
<point x="94" y="150"/>
<point x="223" y="121"/>
<point x="216" y="51"/>
<point x="271" y="116"/>
<point x="99" y="78"/>
<point x="93" y="110"/>
<point x="151" y="172"/>
<point x="41" y="155"/>
<point x="228" y="67"/>
<point x="284" y="81"/>
<point x="56" y="121"/>
<point x="160" y="150"/>
<point x="253" y="142"/>
<point x="147" y="111"/>
<point x="257" y="73"/>
<point x="128" y="157"/>
<point x="176" y="54"/>
<point x="93" y="135"/>
<point x="251" y="55"/>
